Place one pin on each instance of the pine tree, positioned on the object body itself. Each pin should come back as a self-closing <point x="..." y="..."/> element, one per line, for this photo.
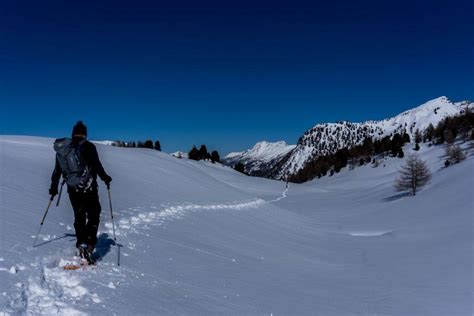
<point x="396" y="144"/>
<point x="148" y="144"/>
<point x="413" y="175"/>
<point x="158" y="145"/>
<point x="449" y="136"/>
<point x="406" y="138"/>
<point x="203" y="153"/>
<point x="368" y="146"/>
<point x="194" y="154"/>
<point x="215" y="156"/>
<point x="418" y="136"/>
<point x="428" y="136"/>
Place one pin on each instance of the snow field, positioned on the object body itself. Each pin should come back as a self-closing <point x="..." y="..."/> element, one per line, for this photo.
<point x="198" y="238"/>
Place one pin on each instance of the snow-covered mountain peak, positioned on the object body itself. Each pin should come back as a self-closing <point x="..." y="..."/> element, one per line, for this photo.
<point x="264" y="150"/>
<point x="327" y="138"/>
<point x="441" y="104"/>
<point x="262" y="157"/>
<point x="420" y="117"/>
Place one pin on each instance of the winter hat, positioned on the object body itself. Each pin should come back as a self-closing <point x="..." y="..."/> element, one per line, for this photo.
<point x="79" y="129"/>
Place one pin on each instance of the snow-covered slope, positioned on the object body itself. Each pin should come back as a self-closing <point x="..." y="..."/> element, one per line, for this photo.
<point x="262" y="157"/>
<point x="199" y="238"/>
<point x="327" y="138"/>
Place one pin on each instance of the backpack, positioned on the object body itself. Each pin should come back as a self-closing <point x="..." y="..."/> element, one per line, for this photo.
<point x="74" y="169"/>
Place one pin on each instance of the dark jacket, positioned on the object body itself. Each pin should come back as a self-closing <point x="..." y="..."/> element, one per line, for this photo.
<point x="91" y="158"/>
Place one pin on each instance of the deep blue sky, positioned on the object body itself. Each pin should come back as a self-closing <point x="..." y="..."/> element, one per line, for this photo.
<point x="225" y="73"/>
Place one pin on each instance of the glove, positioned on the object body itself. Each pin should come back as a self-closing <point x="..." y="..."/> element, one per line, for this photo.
<point x="107" y="179"/>
<point x="53" y="191"/>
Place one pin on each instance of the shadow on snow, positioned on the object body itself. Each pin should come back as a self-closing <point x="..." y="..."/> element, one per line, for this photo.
<point x="396" y="197"/>
<point x="103" y="246"/>
<point x="55" y="239"/>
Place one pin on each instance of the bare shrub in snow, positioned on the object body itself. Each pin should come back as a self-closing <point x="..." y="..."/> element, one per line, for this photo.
<point x="455" y="154"/>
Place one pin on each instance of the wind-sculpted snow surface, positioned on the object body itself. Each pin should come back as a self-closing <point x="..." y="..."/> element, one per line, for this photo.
<point x="200" y="238"/>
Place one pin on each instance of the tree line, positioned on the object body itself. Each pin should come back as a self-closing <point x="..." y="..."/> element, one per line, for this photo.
<point x="203" y="154"/>
<point x="446" y="131"/>
<point x="194" y="154"/>
<point x="357" y="155"/>
<point x="450" y="128"/>
<point x="140" y="144"/>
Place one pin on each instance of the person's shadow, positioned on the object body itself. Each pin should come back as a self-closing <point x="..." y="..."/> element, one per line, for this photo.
<point x="102" y="248"/>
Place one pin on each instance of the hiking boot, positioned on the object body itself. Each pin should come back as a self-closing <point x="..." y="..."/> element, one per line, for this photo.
<point x="90" y="249"/>
<point x="84" y="253"/>
<point x="82" y="248"/>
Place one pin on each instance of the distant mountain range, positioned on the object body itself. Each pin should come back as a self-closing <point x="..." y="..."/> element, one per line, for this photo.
<point x="278" y="160"/>
<point x="263" y="159"/>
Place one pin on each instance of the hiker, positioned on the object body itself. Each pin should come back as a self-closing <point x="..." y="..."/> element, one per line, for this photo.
<point x="78" y="162"/>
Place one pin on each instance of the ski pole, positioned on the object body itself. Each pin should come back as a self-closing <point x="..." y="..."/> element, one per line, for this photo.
<point x="44" y="217"/>
<point x="113" y="225"/>
<point x="60" y="191"/>
<point x="111" y="212"/>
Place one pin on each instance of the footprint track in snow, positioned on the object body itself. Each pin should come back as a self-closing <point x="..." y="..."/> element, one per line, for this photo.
<point x="49" y="290"/>
<point x="152" y="215"/>
<point x="144" y="216"/>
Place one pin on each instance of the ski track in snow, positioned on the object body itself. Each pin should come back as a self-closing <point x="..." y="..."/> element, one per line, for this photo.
<point x="50" y="290"/>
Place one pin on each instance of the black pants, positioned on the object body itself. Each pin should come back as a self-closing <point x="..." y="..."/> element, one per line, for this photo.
<point x="86" y="216"/>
